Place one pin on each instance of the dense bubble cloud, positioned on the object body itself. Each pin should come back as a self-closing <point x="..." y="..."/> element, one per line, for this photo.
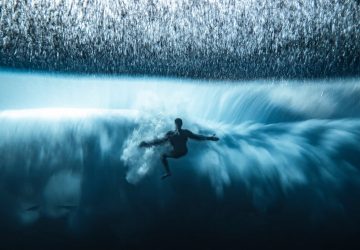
<point x="209" y="39"/>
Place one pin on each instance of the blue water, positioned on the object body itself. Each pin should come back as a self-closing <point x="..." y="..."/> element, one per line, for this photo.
<point x="83" y="82"/>
<point x="285" y="173"/>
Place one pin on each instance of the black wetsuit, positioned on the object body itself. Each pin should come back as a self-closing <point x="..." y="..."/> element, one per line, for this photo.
<point x="178" y="140"/>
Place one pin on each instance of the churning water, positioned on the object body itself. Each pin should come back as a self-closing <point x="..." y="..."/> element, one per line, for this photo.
<point x="288" y="157"/>
<point x="277" y="81"/>
<point x="227" y="39"/>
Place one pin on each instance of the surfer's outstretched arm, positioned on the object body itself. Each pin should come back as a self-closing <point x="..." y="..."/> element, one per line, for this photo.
<point x="154" y="142"/>
<point x="201" y="137"/>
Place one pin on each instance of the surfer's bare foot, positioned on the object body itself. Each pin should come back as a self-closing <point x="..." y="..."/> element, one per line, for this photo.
<point x="165" y="175"/>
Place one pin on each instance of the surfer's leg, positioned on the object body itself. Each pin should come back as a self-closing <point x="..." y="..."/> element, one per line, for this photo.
<point x="165" y="164"/>
<point x="172" y="154"/>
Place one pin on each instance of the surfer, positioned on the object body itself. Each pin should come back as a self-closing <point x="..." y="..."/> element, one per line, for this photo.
<point x="178" y="140"/>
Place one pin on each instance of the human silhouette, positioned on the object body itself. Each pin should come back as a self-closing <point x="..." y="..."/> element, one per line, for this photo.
<point x="178" y="140"/>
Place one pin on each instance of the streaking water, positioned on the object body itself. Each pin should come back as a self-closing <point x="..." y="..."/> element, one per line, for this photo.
<point x="284" y="174"/>
<point x="287" y="158"/>
<point x="227" y="39"/>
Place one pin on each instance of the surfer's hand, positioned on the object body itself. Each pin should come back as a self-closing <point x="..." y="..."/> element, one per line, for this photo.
<point x="143" y="144"/>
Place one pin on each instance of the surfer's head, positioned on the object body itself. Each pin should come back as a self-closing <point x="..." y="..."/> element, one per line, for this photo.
<point x="178" y="123"/>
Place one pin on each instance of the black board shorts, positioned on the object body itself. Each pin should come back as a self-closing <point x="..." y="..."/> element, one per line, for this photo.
<point x="175" y="154"/>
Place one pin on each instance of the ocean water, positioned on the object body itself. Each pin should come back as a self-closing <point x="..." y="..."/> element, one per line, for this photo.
<point x="83" y="82"/>
<point x="285" y="173"/>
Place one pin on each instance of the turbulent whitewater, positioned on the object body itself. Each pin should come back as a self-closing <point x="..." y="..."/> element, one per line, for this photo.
<point x="276" y="80"/>
<point x="287" y="157"/>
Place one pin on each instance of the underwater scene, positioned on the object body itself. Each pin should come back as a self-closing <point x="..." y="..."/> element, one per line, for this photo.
<point x="179" y="124"/>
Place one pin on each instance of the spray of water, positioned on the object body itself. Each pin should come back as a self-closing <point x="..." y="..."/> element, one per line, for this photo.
<point x="193" y="38"/>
